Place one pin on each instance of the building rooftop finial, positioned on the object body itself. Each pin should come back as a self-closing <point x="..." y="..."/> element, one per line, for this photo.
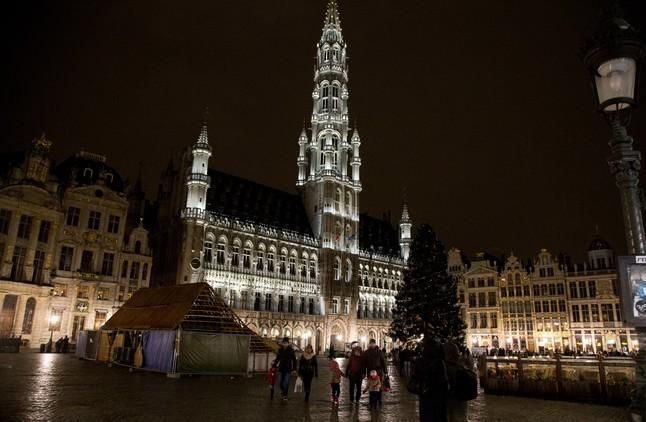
<point x="332" y="14"/>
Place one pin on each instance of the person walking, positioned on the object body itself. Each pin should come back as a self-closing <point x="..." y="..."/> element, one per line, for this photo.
<point x="355" y="371"/>
<point x="335" y="379"/>
<point x="286" y="361"/>
<point x="308" y="369"/>
<point x="374" y="360"/>
<point x="456" y="409"/>
<point x="430" y="371"/>
<point x="373" y="387"/>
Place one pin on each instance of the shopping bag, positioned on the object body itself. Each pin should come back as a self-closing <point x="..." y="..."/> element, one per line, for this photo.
<point x="298" y="386"/>
<point x="387" y="383"/>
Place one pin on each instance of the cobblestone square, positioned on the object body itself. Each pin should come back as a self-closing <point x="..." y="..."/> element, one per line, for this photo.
<point x="56" y="387"/>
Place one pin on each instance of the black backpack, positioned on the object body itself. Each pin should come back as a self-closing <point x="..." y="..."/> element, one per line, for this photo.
<point x="466" y="381"/>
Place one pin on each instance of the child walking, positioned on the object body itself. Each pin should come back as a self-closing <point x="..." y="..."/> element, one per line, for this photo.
<point x="335" y="379"/>
<point x="271" y="379"/>
<point x="374" y="388"/>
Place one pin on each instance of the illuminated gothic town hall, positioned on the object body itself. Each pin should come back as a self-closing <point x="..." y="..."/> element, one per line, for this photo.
<point x="306" y="265"/>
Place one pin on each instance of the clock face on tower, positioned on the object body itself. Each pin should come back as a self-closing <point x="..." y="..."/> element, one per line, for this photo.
<point x="195" y="263"/>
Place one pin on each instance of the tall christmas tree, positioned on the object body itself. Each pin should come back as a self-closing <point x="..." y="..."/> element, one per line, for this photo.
<point x="427" y="303"/>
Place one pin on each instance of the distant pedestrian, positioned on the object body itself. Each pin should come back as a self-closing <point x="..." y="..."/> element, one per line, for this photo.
<point x="373" y="387"/>
<point x="66" y="344"/>
<point x="335" y="379"/>
<point x="286" y="360"/>
<point x="374" y="360"/>
<point x="59" y="345"/>
<point x="430" y="371"/>
<point x="308" y="369"/>
<point x="355" y="372"/>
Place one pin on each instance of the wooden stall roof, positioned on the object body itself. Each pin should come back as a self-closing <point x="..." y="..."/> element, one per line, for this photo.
<point x="193" y="307"/>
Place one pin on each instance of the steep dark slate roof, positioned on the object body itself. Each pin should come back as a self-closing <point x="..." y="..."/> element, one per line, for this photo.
<point x="72" y="169"/>
<point x="378" y="236"/>
<point x="240" y="198"/>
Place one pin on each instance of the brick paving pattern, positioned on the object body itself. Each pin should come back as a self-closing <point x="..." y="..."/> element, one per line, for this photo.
<point x="51" y="387"/>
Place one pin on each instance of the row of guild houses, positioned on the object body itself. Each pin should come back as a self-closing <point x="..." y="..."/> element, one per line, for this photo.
<point x="546" y="305"/>
<point x="308" y="264"/>
<point x="72" y="248"/>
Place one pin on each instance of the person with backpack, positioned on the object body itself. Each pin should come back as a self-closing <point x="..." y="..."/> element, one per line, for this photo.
<point x="430" y="382"/>
<point x="456" y="408"/>
<point x="308" y="369"/>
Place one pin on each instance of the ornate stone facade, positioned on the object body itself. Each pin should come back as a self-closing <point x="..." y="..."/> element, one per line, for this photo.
<point x="545" y="305"/>
<point x="306" y="265"/>
<point x="68" y="260"/>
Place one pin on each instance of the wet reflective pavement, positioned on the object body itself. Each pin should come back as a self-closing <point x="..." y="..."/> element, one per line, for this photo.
<point x="53" y="387"/>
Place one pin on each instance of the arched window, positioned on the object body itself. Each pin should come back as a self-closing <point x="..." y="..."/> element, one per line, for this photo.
<point x="337" y="200"/>
<point x="28" y="321"/>
<point x="326" y="55"/>
<point x="325" y="97"/>
<point x="304" y="265"/>
<point x="246" y="255"/>
<point x="283" y="261"/>
<point x="337" y="268"/>
<point x="219" y="251"/>
<point x="144" y="274"/>
<point x="260" y="258"/>
<point x="517" y="278"/>
<point x="87" y="172"/>
<point x="348" y="273"/>
<point x="335" y="97"/>
<point x="235" y="253"/>
<point x="270" y="259"/>
<point x="292" y="263"/>
<point x="313" y="267"/>
<point x="208" y="253"/>
<point x="348" y="203"/>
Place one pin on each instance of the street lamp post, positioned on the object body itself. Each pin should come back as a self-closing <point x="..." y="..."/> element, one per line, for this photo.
<point x="53" y="320"/>
<point x="613" y="57"/>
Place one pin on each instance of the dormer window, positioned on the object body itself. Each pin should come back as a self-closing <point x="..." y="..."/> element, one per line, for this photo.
<point x="326" y="55"/>
<point x="109" y="177"/>
<point x="87" y="172"/>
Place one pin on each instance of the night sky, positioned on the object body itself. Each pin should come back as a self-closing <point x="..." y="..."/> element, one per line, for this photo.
<point x="482" y="110"/>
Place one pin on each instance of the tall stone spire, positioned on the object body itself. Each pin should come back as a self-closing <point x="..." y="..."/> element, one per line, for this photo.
<point x="328" y="160"/>
<point x="405" y="236"/>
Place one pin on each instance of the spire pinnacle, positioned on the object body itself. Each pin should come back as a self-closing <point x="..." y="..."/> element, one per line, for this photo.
<point x="405" y="215"/>
<point x="332" y="14"/>
<point x="204" y="134"/>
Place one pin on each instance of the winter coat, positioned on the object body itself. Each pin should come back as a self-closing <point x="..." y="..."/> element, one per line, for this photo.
<point x="374" y="359"/>
<point x="373" y="384"/>
<point x="354" y="368"/>
<point x="286" y="359"/>
<point x="308" y="366"/>
<point x="335" y="372"/>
